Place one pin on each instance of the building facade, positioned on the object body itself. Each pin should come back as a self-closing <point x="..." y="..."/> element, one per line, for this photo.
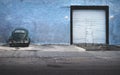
<point x="49" y="21"/>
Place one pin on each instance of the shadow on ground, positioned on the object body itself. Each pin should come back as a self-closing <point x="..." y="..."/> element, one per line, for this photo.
<point x="99" y="47"/>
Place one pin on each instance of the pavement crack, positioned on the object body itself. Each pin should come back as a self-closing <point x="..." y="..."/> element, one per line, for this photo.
<point x="54" y="66"/>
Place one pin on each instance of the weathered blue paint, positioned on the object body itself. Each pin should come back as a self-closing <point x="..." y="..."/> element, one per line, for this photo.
<point x="48" y="21"/>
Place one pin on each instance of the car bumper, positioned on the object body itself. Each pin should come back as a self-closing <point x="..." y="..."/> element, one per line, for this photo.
<point x="19" y="44"/>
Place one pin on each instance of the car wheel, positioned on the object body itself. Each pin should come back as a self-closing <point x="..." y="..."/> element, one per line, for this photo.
<point x="11" y="45"/>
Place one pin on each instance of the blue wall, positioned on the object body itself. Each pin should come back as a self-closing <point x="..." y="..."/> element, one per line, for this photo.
<point x="48" y="21"/>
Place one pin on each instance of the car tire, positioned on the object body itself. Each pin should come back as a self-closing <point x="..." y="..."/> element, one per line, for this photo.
<point x="11" y="45"/>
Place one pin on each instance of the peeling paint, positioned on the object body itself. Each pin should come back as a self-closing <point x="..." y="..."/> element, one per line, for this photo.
<point x="48" y="21"/>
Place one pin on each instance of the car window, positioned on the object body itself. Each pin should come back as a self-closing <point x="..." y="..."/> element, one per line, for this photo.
<point x="18" y="36"/>
<point x="19" y="31"/>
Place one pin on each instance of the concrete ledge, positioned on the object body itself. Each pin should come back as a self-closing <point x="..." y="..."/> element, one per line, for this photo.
<point x="38" y="54"/>
<point x="60" y="48"/>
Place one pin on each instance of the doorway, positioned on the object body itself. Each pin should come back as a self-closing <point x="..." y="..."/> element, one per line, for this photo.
<point x="89" y="24"/>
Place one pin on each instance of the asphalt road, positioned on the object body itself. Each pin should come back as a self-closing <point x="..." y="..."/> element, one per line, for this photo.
<point x="58" y="60"/>
<point x="61" y="63"/>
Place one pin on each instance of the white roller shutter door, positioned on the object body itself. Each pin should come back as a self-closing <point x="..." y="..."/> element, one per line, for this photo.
<point x="89" y="26"/>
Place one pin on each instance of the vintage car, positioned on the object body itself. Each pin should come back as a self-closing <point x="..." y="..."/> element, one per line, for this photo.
<point x="19" y="38"/>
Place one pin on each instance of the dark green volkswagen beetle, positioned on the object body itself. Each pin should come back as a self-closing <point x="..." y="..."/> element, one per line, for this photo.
<point x="19" y="38"/>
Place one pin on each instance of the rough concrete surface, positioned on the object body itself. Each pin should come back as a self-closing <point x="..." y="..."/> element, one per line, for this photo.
<point x="56" y="62"/>
<point x="59" y="63"/>
<point x="60" y="48"/>
<point x="99" y="47"/>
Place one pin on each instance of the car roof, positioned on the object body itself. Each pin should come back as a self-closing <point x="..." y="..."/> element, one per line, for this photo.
<point x="21" y="29"/>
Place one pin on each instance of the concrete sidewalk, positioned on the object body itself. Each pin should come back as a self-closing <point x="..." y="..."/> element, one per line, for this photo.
<point x="60" y="48"/>
<point x="37" y="53"/>
<point x="40" y="51"/>
<point x="54" y="51"/>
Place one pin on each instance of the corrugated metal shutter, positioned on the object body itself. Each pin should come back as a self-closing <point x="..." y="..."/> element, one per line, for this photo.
<point x="89" y="26"/>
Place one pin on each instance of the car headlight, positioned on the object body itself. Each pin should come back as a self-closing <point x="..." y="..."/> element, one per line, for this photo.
<point x="25" y="41"/>
<point x="10" y="42"/>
